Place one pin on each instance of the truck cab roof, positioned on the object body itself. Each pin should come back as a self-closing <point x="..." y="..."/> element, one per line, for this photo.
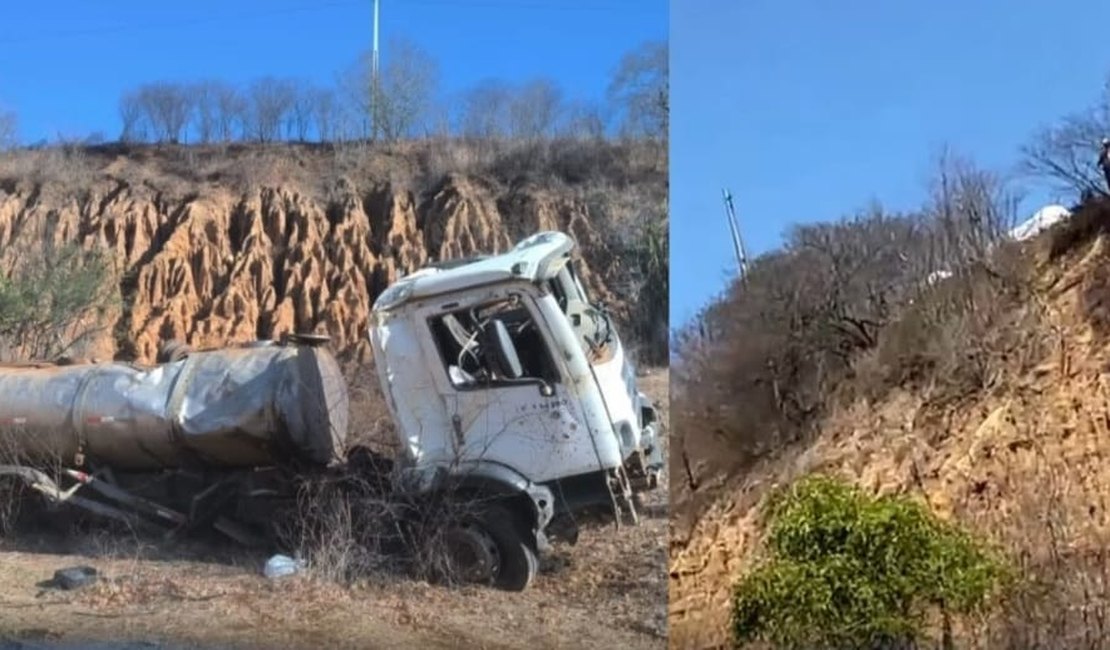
<point x="534" y="259"/>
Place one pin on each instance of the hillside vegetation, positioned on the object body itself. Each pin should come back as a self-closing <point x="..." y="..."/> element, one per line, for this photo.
<point x="925" y="362"/>
<point x="983" y="395"/>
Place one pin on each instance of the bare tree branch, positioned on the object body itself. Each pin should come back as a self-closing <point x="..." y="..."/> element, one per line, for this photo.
<point x="535" y="109"/>
<point x="271" y="101"/>
<point x="1067" y="153"/>
<point x="639" y="91"/>
<point x="8" y="129"/>
<point x="166" y="107"/>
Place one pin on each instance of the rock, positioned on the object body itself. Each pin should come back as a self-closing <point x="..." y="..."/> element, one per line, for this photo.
<point x="75" y="577"/>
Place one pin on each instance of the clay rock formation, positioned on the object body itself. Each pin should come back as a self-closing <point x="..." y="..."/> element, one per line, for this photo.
<point x="216" y="266"/>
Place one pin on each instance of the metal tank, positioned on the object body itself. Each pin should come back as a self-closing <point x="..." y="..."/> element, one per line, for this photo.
<point x="252" y="406"/>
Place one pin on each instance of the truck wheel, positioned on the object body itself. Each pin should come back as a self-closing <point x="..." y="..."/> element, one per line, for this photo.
<point x="492" y="549"/>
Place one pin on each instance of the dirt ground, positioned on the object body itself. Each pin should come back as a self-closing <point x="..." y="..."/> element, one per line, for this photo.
<point x="610" y="590"/>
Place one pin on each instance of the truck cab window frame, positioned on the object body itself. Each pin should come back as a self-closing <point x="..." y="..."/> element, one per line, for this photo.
<point x="455" y="334"/>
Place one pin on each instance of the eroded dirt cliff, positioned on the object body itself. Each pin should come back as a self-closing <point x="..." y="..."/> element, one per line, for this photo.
<point x="212" y="263"/>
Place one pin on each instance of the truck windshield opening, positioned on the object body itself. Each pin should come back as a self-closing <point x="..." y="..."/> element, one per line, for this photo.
<point x="456" y="335"/>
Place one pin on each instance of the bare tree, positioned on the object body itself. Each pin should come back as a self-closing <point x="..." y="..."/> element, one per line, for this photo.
<point x="639" y="91"/>
<point x="1067" y="153"/>
<point x="325" y="111"/>
<point x="971" y="208"/>
<point x="132" y="115"/>
<point x="439" y="121"/>
<point x="231" y="111"/>
<point x="408" y="85"/>
<point x="167" y="107"/>
<point x="204" y="95"/>
<point x="845" y="309"/>
<point x="758" y="366"/>
<point x="270" y="103"/>
<point x="302" y="109"/>
<point x="8" y="129"/>
<point x="583" y="120"/>
<point x="534" y="109"/>
<point x="404" y="94"/>
<point x="357" y="106"/>
<point x="484" y="110"/>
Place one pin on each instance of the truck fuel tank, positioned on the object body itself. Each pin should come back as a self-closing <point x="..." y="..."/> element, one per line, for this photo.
<point x="251" y="406"/>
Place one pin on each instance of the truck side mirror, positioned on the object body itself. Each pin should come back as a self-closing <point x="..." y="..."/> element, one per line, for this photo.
<point x="499" y="351"/>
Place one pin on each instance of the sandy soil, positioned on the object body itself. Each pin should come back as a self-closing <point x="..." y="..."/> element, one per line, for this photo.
<point x="610" y="590"/>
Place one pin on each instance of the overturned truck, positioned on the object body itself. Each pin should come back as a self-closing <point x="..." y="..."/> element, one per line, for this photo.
<point x="507" y="387"/>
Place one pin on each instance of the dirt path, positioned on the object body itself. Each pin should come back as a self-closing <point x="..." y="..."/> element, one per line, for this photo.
<point x="610" y="590"/>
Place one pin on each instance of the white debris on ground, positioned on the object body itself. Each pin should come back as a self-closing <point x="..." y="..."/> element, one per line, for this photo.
<point x="280" y="566"/>
<point x="937" y="276"/>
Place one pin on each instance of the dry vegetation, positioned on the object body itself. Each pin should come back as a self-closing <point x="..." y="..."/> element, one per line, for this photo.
<point x="982" y="393"/>
<point x="840" y="301"/>
<point x="980" y="390"/>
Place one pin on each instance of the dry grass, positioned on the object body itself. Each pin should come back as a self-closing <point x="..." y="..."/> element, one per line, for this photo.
<point x="416" y="165"/>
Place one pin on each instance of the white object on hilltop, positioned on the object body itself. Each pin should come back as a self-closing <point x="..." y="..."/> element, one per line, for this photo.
<point x="1045" y="218"/>
<point x="1042" y="220"/>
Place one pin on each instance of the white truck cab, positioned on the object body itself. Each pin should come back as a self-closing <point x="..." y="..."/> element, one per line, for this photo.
<point x="505" y="380"/>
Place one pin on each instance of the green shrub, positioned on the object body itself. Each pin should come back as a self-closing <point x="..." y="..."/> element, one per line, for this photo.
<point x="54" y="301"/>
<point x="651" y="257"/>
<point x="845" y="570"/>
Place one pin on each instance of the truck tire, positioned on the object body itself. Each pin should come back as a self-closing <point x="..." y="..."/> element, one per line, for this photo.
<point x="493" y="548"/>
<point x="519" y="563"/>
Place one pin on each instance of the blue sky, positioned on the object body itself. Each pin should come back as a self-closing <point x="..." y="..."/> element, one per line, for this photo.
<point x="809" y="109"/>
<point x="64" y="64"/>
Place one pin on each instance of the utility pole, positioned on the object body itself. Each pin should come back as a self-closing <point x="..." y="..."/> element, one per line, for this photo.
<point x="737" y="241"/>
<point x="374" y="88"/>
<point x="374" y="61"/>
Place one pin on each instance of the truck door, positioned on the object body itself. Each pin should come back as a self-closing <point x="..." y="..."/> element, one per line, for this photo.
<point x="531" y="423"/>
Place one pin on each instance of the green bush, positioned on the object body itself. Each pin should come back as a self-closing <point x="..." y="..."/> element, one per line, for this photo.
<point x="54" y="301"/>
<point x="652" y="257"/>
<point x="846" y="570"/>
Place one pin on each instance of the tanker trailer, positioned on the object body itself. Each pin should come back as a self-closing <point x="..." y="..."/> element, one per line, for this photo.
<point x="207" y="425"/>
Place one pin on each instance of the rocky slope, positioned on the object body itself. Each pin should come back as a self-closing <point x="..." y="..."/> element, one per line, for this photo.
<point x="1022" y="460"/>
<point x="214" y="262"/>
